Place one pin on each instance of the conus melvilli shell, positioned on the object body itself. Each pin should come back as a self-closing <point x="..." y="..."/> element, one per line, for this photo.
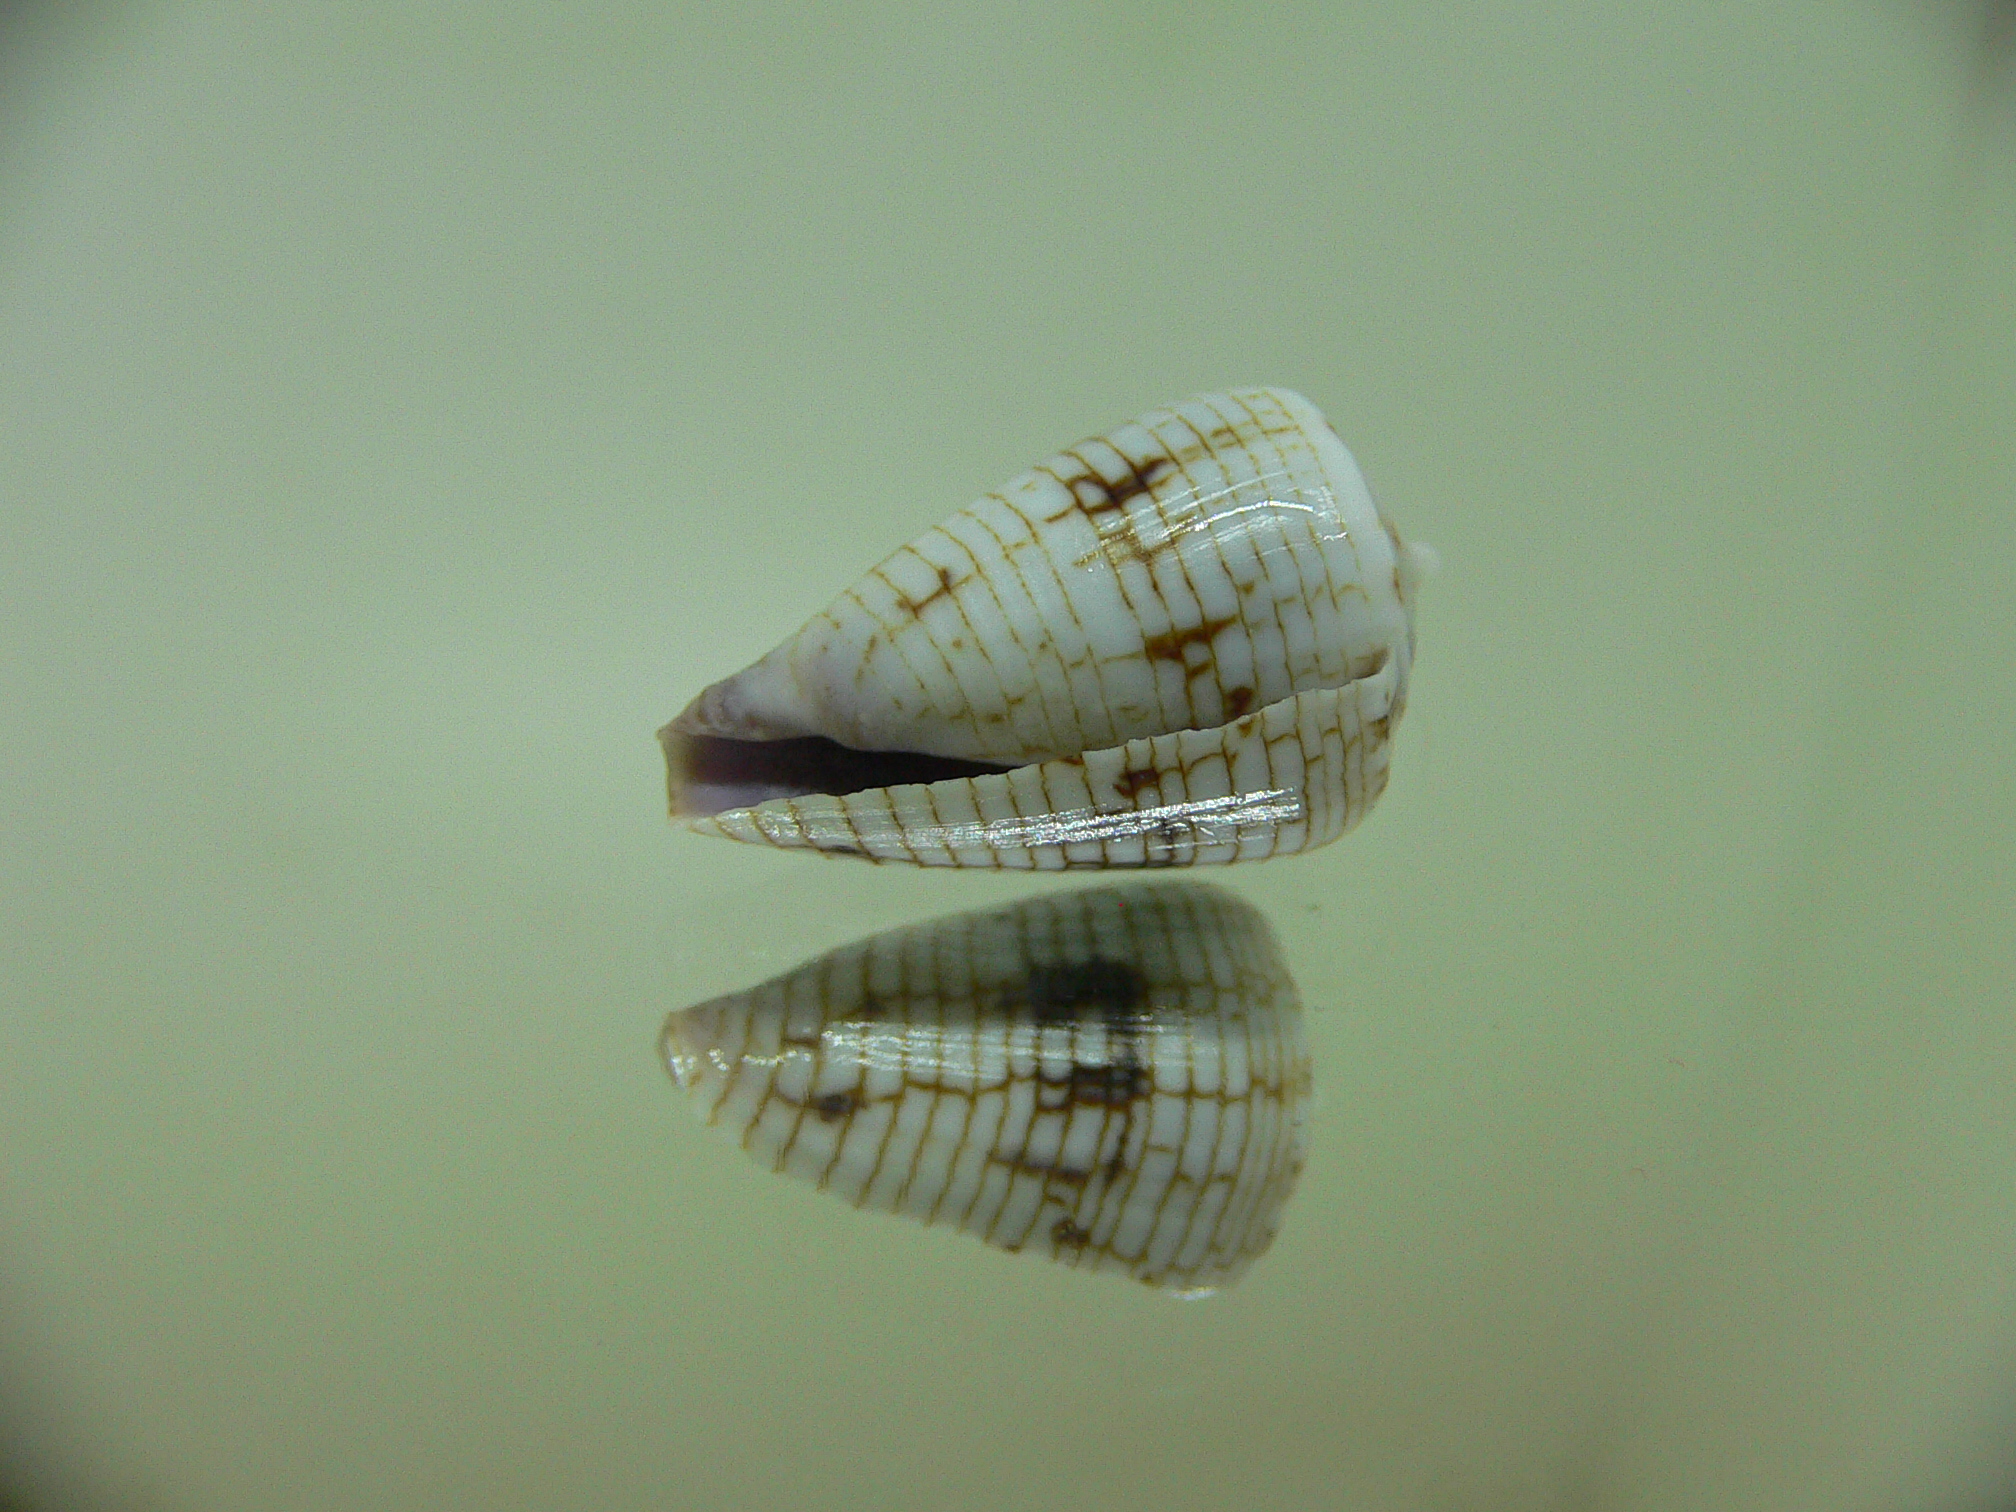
<point x="1184" y="641"/>
<point x="1115" y="1078"/>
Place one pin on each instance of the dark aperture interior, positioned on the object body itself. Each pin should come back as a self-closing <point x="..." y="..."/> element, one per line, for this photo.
<point x="712" y="772"/>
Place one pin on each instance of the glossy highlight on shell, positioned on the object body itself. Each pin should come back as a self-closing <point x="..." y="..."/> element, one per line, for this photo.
<point x="1186" y="641"/>
<point x="1115" y="1079"/>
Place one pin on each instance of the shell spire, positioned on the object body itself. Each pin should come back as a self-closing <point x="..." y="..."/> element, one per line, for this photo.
<point x="1183" y="641"/>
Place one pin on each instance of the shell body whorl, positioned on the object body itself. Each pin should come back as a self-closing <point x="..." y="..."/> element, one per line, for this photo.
<point x="1183" y="641"/>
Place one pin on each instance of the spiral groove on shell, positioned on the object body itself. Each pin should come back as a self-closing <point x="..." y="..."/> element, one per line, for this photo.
<point x="1185" y="641"/>
<point x="1115" y="1078"/>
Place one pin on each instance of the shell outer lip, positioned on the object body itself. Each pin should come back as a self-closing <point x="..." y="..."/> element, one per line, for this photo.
<point x="1197" y="797"/>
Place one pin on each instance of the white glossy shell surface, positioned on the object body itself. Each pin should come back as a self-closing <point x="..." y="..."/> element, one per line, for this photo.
<point x="1180" y="571"/>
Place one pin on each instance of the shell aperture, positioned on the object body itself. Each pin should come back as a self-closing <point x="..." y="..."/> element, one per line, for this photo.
<point x="1184" y="641"/>
<point x="1115" y="1078"/>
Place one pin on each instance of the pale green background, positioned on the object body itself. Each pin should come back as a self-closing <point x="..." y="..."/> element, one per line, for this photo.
<point x="404" y="409"/>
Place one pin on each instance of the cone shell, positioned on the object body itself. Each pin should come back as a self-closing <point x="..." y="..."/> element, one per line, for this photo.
<point x="1185" y="641"/>
<point x="1115" y="1079"/>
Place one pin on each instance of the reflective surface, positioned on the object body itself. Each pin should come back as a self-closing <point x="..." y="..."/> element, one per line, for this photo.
<point x="1115" y="1078"/>
<point x="403" y="410"/>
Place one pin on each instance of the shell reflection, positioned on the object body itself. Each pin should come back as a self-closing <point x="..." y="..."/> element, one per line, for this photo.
<point x="1115" y="1079"/>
